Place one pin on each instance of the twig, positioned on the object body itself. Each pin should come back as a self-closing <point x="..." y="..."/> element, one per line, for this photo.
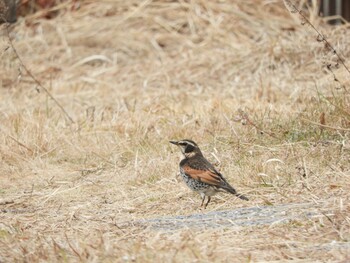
<point x="18" y="142"/>
<point x="244" y="117"/>
<point x="6" y="201"/>
<point x="35" y="79"/>
<point x="325" y="126"/>
<point x="72" y="248"/>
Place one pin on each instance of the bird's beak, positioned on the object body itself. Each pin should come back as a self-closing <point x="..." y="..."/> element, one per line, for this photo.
<point x="174" y="142"/>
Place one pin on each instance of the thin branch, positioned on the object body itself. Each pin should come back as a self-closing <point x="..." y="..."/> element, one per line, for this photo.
<point x="325" y="126"/>
<point x="244" y="117"/>
<point x="72" y="248"/>
<point x="17" y="141"/>
<point x="34" y="78"/>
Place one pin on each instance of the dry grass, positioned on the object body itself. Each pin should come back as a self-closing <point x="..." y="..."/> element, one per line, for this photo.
<point x="134" y="74"/>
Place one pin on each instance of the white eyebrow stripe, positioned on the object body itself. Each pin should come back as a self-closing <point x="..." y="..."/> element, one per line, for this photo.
<point x="188" y="142"/>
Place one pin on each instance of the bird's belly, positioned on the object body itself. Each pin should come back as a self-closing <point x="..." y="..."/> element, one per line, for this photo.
<point x="210" y="191"/>
<point x="192" y="183"/>
<point x="197" y="186"/>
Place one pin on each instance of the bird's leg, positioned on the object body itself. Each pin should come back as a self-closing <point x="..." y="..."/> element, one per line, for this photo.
<point x="207" y="202"/>
<point x="203" y="198"/>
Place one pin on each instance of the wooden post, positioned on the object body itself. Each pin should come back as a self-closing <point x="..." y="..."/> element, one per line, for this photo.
<point x="346" y="9"/>
<point x="10" y="11"/>
<point x="335" y="8"/>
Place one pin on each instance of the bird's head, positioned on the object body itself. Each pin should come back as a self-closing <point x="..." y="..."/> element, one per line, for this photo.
<point x="188" y="147"/>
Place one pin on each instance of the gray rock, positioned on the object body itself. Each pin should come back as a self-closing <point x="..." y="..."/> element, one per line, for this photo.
<point x="252" y="216"/>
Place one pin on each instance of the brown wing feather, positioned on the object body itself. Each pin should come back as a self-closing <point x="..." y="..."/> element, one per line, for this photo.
<point x="206" y="176"/>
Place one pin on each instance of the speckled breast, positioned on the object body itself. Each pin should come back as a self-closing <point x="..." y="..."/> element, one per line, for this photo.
<point x="192" y="183"/>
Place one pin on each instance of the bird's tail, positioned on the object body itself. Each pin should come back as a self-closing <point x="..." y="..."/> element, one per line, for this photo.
<point x="231" y="190"/>
<point x="243" y="197"/>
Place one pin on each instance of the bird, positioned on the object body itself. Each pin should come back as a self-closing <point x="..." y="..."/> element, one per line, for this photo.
<point x="200" y="175"/>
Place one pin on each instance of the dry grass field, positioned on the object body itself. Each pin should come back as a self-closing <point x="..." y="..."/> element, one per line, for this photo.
<point x="85" y="157"/>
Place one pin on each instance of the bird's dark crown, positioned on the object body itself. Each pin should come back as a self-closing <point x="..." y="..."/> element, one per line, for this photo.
<point x="188" y="147"/>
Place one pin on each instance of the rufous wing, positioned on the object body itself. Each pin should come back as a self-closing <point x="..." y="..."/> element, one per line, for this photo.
<point x="205" y="176"/>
